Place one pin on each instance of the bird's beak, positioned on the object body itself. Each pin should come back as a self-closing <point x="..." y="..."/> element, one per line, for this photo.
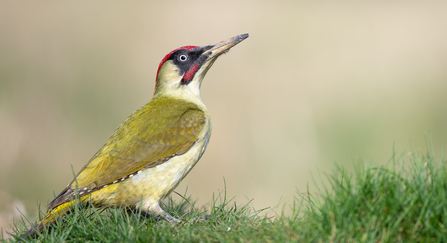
<point x="223" y="46"/>
<point x="209" y="56"/>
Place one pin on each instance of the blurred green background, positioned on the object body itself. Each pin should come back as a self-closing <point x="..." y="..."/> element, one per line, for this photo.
<point x="316" y="83"/>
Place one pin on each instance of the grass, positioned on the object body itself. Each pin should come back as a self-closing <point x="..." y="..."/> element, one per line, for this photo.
<point x="404" y="201"/>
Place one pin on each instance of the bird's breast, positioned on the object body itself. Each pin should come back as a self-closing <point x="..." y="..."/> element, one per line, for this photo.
<point x="157" y="182"/>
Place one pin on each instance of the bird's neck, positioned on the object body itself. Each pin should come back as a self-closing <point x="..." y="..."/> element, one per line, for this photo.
<point x="182" y="96"/>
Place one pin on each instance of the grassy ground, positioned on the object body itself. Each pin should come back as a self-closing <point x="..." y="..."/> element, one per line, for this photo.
<point x="404" y="201"/>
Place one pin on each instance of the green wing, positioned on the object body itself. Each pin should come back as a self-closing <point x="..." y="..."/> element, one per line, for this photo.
<point x="147" y="138"/>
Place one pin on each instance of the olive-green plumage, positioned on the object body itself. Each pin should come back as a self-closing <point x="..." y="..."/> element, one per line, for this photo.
<point x="154" y="148"/>
<point x="153" y="134"/>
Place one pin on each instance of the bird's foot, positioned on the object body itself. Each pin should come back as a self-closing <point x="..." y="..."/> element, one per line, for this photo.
<point x="200" y="219"/>
<point x="170" y="219"/>
<point x="149" y="215"/>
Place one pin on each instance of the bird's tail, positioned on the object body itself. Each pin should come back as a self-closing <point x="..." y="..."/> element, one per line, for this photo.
<point x="49" y="218"/>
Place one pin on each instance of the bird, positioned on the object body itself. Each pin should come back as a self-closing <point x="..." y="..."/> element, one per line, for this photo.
<point x="150" y="153"/>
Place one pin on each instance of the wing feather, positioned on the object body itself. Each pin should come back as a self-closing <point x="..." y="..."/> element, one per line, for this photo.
<point x="149" y="137"/>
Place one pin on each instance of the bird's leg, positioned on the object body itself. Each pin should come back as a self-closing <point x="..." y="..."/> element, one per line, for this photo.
<point x="159" y="211"/>
<point x="169" y="218"/>
<point x="154" y="214"/>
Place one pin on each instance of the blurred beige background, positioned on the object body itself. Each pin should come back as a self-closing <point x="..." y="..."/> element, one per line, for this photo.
<point x="315" y="84"/>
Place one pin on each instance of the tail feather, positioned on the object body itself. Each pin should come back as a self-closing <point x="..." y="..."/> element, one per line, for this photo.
<point x="49" y="218"/>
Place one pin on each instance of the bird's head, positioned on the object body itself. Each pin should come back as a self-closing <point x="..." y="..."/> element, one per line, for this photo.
<point x="181" y="71"/>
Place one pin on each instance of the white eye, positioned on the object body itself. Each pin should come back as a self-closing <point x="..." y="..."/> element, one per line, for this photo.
<point x="183" y="57"/>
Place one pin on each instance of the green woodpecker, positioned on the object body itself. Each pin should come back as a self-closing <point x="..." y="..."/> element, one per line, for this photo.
<point x="155" y="147"/>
